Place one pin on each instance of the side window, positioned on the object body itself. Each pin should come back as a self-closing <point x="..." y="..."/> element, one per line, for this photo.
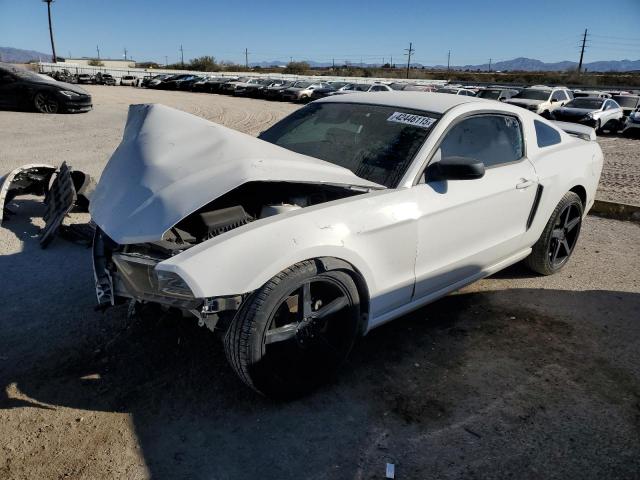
<point x="569" y="94"/>
<point x="546" y="135"/>
<point x="492" y="139"/>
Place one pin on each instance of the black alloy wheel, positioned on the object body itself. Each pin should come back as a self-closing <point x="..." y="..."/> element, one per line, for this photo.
<point x="293" y="333"/>
<point x="46" y="103"/>
<point x="558" y="240"/>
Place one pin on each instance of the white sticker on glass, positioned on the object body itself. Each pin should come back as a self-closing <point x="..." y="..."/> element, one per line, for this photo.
<point x="410" y="119"/>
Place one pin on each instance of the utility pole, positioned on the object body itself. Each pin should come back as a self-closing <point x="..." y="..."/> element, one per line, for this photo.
<point x="125" y="53"/>
<point x="391" y="61"/>
<point x="410" y="52"/>
<point x="246" y="58"/>
<point x="166" y="60"/>
<point x="490" y="64"/>
<point x="98" y="49"/>
<point x="448" y="60"/>
<point x="333" y="63"/>
<point x="181" y="56"/>
<point x="53" y="47"/>
<point x="584" y="41"/>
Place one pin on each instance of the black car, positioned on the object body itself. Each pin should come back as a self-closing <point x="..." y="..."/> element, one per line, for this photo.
<point x="173" y="83"/>
<point x="20" y="88"/>
<point x="629" y="103"/>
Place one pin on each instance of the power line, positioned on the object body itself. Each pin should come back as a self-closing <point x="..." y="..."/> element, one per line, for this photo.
<point x="584" y="41"/>
<point x="409" y="51"/>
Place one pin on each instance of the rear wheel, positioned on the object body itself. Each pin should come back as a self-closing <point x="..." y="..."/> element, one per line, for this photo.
<point x="46" y="103"/>
<point x="558" y="240"/>
<point x="294" y="332"/>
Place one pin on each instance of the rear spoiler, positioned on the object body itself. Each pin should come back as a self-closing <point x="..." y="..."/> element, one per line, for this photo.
<point x="577" y="130"/>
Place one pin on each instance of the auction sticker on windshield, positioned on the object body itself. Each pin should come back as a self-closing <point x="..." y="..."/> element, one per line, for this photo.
<point x="410" y="119"/>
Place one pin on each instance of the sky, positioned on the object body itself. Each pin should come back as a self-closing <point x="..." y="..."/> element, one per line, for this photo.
<point x="369" y="31"/>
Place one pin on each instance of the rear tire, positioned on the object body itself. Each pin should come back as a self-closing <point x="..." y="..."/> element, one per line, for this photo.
<point x="295" y="332"/>
<point x="558" y="240"/>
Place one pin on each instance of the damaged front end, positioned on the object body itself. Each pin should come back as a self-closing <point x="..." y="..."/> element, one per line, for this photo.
<point x="178" y="181"/>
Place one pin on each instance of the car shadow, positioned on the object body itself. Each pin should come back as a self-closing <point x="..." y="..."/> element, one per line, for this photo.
<point x="438" y="392"/>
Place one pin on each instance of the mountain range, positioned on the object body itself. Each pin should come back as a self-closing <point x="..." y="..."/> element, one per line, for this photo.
<point x="16" y="55"/>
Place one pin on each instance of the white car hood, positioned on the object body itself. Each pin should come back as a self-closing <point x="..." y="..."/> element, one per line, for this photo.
<point x="171" y="163"/>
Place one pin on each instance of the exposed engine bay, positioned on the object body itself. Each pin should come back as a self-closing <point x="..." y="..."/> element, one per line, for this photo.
<point x="127" y="271"/>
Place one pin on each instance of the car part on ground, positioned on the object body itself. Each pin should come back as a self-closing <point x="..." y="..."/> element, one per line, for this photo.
<point x="63" y="190"/>
<point x="280" y="240"/>
<point x="23" y="89"/>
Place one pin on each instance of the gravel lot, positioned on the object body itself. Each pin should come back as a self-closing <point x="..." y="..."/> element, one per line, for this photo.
<point x="516" y="376"/>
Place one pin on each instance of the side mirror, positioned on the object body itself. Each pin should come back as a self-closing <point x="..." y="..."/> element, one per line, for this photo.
<point x="554" y="100"/>
<point x="456" y="168"/>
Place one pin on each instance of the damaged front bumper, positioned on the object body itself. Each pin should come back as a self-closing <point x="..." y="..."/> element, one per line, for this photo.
<point x="125" y="273"/>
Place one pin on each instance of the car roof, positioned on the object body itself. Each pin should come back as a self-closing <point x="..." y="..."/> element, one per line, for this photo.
<point x="430" y="102"/>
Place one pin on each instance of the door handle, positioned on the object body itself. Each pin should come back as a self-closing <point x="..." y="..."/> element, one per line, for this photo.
<point x="524" y="183"/>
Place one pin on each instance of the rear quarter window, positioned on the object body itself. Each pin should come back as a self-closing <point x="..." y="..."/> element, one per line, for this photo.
<point x="546" y="135"/>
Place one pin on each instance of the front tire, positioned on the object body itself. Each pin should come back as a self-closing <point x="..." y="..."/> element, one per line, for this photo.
<point x="46" y="103"/>
<point x="292" y="334"/>
<point x="558" y="240"/>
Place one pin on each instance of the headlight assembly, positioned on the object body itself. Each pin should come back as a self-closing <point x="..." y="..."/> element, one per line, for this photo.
<point x="172" y="284"/>
<point x="69" y="93"/>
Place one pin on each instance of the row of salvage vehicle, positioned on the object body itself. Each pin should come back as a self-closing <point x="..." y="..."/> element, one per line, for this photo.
<point x="613" y="111"/>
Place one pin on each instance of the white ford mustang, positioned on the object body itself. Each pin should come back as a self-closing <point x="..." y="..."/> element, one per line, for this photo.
<point x="348" y="213"/>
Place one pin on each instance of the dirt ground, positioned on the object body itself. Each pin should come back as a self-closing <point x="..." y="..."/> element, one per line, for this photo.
<point x="516" y="376"/>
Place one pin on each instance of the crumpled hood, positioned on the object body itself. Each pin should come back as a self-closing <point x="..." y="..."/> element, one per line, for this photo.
<point x="170" y="163"/>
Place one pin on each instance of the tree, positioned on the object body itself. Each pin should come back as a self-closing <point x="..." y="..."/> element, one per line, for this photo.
<point x="297" y="68"/>
<point x="95" y="63"/>
<point x="203" y="64"/>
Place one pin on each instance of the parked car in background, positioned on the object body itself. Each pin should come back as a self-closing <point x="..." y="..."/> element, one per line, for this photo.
<point x="275" y="92"/>
<point x="329" y="89"/>
<point x="541" y="99"/>
<point x="457" y="91"/>
<point x="153" y="82"/>
<point x="302" y="91"/>
<point x="230" y="87"/>
<point x="362" y="87"/>
<point x="590" y="93"/>
<point x="500" y="94"/>
<point x="212" y="84"/>
<point x="188" y="83"/>
<point x="629" y="103"/>
<point x="632" y="123"/>
<point x="346" y="214"/>
<point x="416" y="87"/>
<point x="173" y="82"/>
<point x="251" y="86"/>
<point x="104" y="79"/>
<point x="84" y="78"/>
<point x="23" y="89"/>
<point x="129" y="80"/>
<point x="598" y="113"/>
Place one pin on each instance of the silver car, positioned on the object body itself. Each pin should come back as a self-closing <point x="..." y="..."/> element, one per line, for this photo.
<point x="599" y="113"/>
<point x="302" y="91"/>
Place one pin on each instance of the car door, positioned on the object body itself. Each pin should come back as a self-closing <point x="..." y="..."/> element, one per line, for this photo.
<point x="9" y="90"/>
<point x="467" y="226"/>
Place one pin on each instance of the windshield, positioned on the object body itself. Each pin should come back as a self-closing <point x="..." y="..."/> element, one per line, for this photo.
<point x="302" y="84"/>
<point x="626" y="102"/>
<point x="491" y="94"/>
<point x="447" y="90"/>
<point x="585" y="102"/>
<point x="530" y="94"/>
<point x="375" y="142"/>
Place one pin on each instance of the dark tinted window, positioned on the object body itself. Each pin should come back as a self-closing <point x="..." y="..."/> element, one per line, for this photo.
<point x="546" y="135"/>
<point x="492" y="139"/>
